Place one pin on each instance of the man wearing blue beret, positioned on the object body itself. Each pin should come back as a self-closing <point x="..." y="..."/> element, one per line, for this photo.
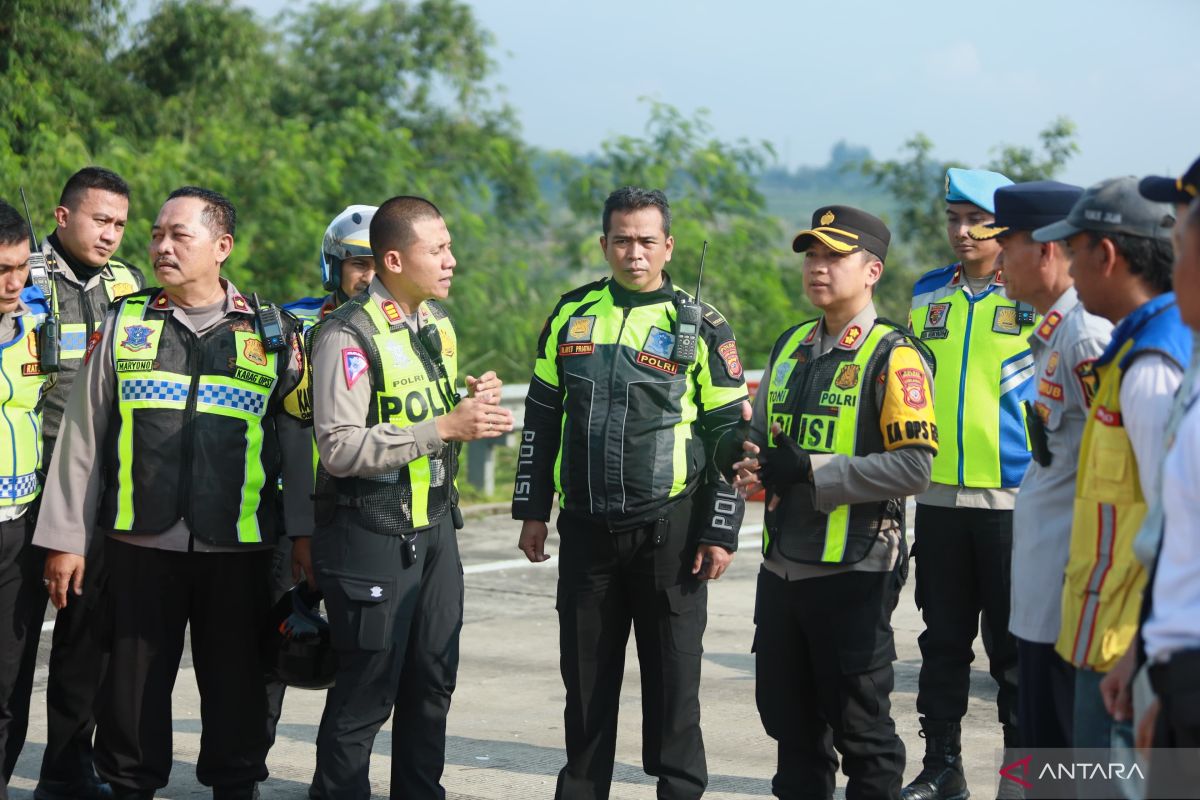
<point x="963" y="544"/>
<point x="1065" y="346"/>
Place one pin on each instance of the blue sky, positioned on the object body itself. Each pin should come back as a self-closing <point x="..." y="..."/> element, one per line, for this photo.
<point x="803" y="75"/>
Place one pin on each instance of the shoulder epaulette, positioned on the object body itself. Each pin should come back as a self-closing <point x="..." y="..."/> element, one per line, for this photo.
<point x="147" y="293"/>
<point x="934" y="278"/>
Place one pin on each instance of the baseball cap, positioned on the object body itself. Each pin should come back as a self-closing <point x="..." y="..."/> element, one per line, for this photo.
<point x="845" y="229"/>
<point x="1183" y="189"/>
<point x="1027" y="206"/>
<point x="976" y="186"/>
<point x="1113" y="206"/>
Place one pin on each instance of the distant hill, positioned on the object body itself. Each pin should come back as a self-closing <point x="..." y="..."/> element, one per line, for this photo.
<point x="793" y="195"/>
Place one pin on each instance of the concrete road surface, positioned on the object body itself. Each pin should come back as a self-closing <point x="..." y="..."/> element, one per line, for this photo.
<point x="505" y="728"/>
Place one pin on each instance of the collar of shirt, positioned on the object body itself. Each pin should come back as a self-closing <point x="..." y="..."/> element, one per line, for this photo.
<point x="64" y="264"/>
<point x="392" y="309"/>
<point x="847" y="338"/>
<point x="8" y="322"/>
<point x="235" y="303"/>
<point x="624" y="298"/>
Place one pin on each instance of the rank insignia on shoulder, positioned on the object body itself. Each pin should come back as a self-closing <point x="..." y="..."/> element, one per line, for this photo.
<point x="391" y="311"/>
<point x="1005" y="320"/>
<point x="713" y="317"/>
<point x="1048" y="325"/>
<point x="851" y="336"/>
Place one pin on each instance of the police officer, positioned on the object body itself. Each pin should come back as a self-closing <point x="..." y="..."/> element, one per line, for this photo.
<point x="843" y="429"/>
<point x="387" y="419"/>
<point x="1121" y="258"/>
<point x="180" y="406"/>
<point x="634" y="404"/>
<point x="347" y="265"/>
<point x="964" y="521"/>
<point x="347" y="268"/>
<point x="83" y="276"/>
<point x="21" y="597"/>
<point x="1065" y="344"/>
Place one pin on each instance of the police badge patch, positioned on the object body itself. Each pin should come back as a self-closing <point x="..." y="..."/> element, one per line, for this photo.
<point x="729" y="354"/>
<point x="936" y="318"/>
<point x="781" y="372"/>
<point x="579" y="329"/>
<point x="354" y="365"/>
<point x="658" y="343"/>
<point x="254" y="352"/>
<point x="847" y="377"/>
<point x="913" y="383"/>
<point x="1005" y="320"/>
<point x="137" y="337"/>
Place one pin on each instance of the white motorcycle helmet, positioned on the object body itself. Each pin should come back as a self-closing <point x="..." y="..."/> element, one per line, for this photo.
<point x="349" y="235"/>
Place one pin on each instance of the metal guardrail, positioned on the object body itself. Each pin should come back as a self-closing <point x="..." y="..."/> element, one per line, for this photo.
<point x="481" y="454"/>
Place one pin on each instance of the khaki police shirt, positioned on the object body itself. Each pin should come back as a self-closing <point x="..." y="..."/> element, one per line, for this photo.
<point x="843" y="480"/>
<point x="1064" y="346"/>
<point x="67" y="519"/>
<point x="348" y="447"/>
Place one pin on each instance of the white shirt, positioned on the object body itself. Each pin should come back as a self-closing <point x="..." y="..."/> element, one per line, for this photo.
<point x="1174" y="622"/>
<point x="1149" y="386"/>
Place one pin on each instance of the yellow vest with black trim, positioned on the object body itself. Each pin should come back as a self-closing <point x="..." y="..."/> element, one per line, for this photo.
<point x="827" y="404"/>
<point x="405" y="390"/>
<point x="21" y="386"/>
<point x="1102" y="591"/>
<point x="194" y="434"/>
<point x="984" y="370"/>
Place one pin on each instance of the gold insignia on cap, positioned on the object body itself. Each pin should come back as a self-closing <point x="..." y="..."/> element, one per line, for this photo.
<point x="827" y="218"/>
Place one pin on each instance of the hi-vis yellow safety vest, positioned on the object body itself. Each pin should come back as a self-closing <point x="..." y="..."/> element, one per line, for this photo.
<point x="405" y="389"/>
<point x="21" y="385"/>
<point x="1102" y="592"/>
<point x="194" y="436"/>
<point x="984" y="368"/>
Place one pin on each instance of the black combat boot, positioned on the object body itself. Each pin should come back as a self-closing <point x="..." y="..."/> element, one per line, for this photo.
<point x="942" y="776"/>
<point x="1008" y="789"/>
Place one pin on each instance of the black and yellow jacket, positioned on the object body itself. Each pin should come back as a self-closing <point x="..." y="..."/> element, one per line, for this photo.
<point x="620" y="430"/>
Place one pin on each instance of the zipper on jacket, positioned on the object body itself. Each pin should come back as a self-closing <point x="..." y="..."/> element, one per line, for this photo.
<point x="612" y="377"/>
<point x="187" y="448"/>
<point x="962" y="386"/>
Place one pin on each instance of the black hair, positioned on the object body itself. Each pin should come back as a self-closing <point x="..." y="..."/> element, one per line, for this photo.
<point x="219" y="215"/>
<point x="12" y="226"/>
<point x="392" y="225"/>
<point x="632" y="198"/>
<point x="99" y="178"/>
<point x="1151" y="259"/>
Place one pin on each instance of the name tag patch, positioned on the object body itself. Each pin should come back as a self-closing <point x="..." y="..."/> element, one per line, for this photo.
<point x="654" y="362"/>
<point x="576" y="349"/>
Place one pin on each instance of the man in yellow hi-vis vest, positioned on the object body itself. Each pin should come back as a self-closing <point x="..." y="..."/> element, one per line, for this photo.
<point x="963" y="549"/>
<point x="387" y="419"/>
<point x="83" y="277"/>
<point x="1121" y="258"/>
<point x="172" y="446"/>
<point x="22" y="385"/>
<point x="843" y="429"/>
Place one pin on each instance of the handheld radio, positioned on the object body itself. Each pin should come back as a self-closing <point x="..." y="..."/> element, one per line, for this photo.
<point x="687" y="320"/>
<point x="48" y="333"/>
<point x="272" y="326"/>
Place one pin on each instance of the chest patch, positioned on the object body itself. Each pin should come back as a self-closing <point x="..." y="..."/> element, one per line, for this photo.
<point x="936" y="318"/>
<point x="579" y="329"/>
<point x="655" y="362"/>
<point x="254" y="352"/>
<point x="658" y="343"/>
<point x="847" y="377"/>
<point x="1005" y="320"/>
<point x="1052" y="364"/>
<point x="137" y="337"/>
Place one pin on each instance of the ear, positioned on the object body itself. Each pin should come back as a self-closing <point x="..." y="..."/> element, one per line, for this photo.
<point x="224" y="246"/>
<point x="60" y="216"/>
<point x="604" y="245"/>
<point x="393" y="262"/>
<point x="874" y="271"/>
<point x="1109" y="262"/>
<point x="669" y="246"/>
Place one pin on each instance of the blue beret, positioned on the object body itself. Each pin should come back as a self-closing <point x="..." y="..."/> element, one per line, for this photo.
<point x="977" y="186"/>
